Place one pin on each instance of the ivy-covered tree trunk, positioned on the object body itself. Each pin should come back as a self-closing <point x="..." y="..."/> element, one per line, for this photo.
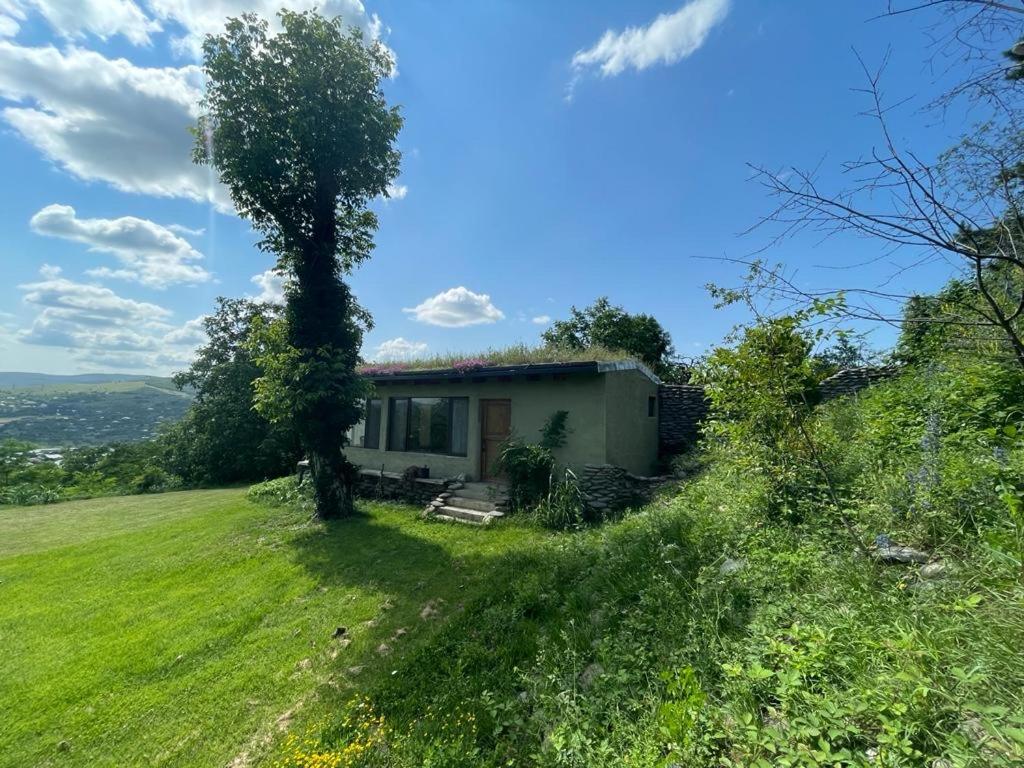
<point x="322" y="327"/>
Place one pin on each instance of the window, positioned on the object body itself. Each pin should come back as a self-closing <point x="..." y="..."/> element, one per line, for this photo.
<point x="429" y="425"/>
<point x="652" y="404"/>
<point x="366" y="434"/>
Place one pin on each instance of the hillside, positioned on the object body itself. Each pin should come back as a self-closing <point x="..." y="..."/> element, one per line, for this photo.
<point x="90" y="409"/>
<point x="190" y="629"/>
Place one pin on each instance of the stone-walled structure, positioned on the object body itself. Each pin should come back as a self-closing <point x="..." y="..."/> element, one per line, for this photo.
<point x="607" y="487"/>
<point x="852" y="380"/>
<point x="374" y="484"/>
<point x="682" y="407"/>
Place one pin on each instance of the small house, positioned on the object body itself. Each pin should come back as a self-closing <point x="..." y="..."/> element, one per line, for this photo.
<point x="453" y="421"/>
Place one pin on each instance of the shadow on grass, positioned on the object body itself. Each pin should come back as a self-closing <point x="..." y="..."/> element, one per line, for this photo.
<point x="568" y="592"/>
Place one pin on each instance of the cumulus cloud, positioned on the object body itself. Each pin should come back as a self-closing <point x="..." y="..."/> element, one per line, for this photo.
<point x="271" y="285"/>
<point x="541" y="319"/>
<point x="455" y="308"/>
<point x="399" y="349"/>
<point x="202" y="17"/>
<point x="101" y="327"/>
<point x="668" y="39"/>
<point x="102" y="18"/>
<point x="150" y="253"/>
<point x="109" y="120"/>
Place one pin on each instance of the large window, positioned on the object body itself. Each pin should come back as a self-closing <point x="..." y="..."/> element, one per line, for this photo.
<point x="366" y="434"/>
<point x="429" y="425"/>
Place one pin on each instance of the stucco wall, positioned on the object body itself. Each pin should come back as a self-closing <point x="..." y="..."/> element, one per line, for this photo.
<point x="533" y="401"/>
<point x="630" y="434"/>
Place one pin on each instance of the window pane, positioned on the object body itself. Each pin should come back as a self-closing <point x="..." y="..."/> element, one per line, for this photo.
<point x="397" y="423"/>
<point x="428" y="425"/>
<point x="372" y="436"/>
<point x="460" y="426"/>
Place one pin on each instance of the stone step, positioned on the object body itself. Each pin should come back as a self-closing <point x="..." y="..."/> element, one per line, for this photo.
<point x="465" y="502"/>
<point x="466" y="515"/>
<point x="481" y="491"/>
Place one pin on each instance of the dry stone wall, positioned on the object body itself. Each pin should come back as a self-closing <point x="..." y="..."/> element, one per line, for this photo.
<point x="607" y="487"/>
<point x="681" y="409"/>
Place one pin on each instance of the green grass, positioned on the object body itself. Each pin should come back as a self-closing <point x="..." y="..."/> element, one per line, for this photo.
<point x="516" y="354"/>
<point x="191" y="628"/>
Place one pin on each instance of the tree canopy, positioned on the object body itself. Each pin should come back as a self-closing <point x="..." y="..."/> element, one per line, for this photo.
<point x="299" y="130"/>
<point x="606" y="325"/>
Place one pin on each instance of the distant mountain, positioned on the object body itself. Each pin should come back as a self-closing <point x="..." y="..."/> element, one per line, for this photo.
<point x="17" y="379"/>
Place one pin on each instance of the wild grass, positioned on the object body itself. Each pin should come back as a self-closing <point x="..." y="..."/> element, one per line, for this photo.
<point x="516" y="354"/>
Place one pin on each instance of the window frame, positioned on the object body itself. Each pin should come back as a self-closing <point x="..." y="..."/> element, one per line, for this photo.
<point x="393" y="404"/>
<point x="366" y="424"/>
<point x="652" y="406"/>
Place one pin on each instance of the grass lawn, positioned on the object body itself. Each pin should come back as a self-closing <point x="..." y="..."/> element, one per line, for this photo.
<point x="192" y="628"/>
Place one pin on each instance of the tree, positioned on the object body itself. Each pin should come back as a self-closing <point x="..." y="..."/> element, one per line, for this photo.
<point x="223" y="439"/>
<point x="299" y="130"/>
<point x="965" y="208"/>
<point x="604" y="325"/>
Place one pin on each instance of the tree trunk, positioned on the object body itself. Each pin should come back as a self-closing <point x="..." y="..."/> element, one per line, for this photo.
<point x="332" y="494"/>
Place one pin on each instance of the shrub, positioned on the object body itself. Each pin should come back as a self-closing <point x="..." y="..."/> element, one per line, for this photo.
<point x="283" y="491"/>
<point x="563" y="509"/>
<point x="528" y="469"/>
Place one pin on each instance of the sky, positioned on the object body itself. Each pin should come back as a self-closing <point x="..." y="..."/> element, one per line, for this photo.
<point x="552" y="153"/>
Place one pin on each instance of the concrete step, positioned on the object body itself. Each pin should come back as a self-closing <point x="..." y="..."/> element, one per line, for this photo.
<point x="481" y="491"/>
<point x="466" y="515"/>
<point x="465" y="502"/>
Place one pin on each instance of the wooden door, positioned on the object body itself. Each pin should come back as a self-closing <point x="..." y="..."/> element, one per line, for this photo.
<point x="495" y="427"/>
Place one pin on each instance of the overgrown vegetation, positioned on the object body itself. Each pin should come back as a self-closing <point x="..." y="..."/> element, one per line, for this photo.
<point x="737" y="624"/>
<point x="111" y="470"/>
<point x="515" y="354"/>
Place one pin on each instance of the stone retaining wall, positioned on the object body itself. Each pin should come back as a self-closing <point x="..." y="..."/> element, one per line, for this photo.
<point x="607" y="487"/>
<point x="681" y="409"/>
<point x="852" y="380"/>
<point x="374" y="484"/>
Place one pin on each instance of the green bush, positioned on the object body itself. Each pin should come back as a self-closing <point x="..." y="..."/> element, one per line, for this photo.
<point x="564" y="508"/>
<point x="283" y="491"/>
<point x="527" y="469"/>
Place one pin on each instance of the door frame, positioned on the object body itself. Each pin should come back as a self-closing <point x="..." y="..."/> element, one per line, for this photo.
<point x="485" y="475"/>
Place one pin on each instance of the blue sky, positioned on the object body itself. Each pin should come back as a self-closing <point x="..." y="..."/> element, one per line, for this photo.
<point x="553" y="153"/>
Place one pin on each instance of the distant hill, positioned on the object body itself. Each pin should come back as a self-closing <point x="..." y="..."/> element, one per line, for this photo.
<point x="18" y="380"/>
<point x="86" y="409"/>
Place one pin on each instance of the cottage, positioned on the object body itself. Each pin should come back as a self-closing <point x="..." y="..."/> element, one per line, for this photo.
<point x="454" y="421"/>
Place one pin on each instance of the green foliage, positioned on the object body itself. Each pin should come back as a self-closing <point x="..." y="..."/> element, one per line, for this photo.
<point x="761" y="394"/>
<point x="223" y="437"/>
<point x="563" y="508"/>
<point x="527" y="467"/>
<point x="605" y="325"/>
<point x="112" y="470"/>
<point x="298" y="129"/>
<point x="283" y="491"/>
<point x="554" y="432"/>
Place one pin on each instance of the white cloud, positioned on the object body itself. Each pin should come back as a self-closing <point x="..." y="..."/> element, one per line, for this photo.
<point x="399" y="349"/>
<point x="108" y="120"/>
<point x="8" y="26"/>
<point x="455" y="308"/>
<point x="271" y="285"/>
<point x="202" y="17"/>
<point x="668" y="39"/>
<point x="102" y="18"/>
<point x="151" y="254"/>
<point x="191" y="334"/>
<point x="541" y="319"/>
<point x="397" y="191"/>
<point x="100" y="327"/>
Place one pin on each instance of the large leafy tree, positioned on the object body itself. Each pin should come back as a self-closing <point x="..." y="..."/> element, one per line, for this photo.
<point x="603" y="324"/>
<point x="223" y="439"/>
<point x="299" y="130"/>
